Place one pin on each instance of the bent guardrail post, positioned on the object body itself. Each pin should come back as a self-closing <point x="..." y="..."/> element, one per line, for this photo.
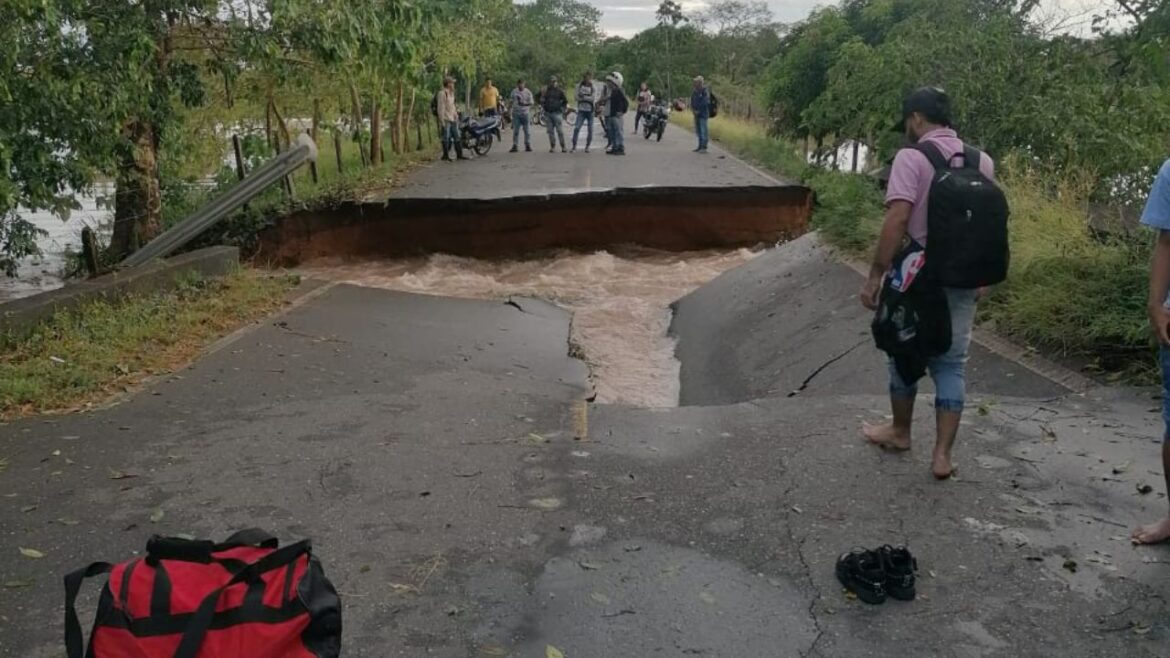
<point x="255" y="183"/>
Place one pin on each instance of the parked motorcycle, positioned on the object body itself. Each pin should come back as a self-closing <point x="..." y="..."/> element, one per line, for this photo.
<point x="478" y="133"/>
<point x="654" y="123"/>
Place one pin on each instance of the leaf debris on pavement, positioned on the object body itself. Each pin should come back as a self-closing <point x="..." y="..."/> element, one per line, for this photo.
<point x="31" y="553"/>
<point x="552" y="652"/>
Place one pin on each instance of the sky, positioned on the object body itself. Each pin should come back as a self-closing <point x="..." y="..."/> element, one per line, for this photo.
<point x="624" y="18"/>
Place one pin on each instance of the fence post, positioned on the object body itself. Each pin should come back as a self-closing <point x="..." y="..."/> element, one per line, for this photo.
<point x="89" y="251"/>
<point x="239" y="149"/>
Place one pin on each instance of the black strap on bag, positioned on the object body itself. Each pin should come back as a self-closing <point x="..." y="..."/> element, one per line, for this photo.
<point x="203" y="616"/>
<point x="200" y="550"/>
<point x="74" y="645"/>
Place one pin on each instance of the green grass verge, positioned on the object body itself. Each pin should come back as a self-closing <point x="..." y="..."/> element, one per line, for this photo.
<point x="85" y="355"/>
<point x="1069" y="294"/>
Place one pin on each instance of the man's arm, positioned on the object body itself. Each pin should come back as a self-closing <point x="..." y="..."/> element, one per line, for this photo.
<point x="889" y="241"/>
<point x="1159" y="287"/>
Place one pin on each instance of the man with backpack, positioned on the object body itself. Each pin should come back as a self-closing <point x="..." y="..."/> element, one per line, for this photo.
<point x="617" y="104"/>
<point x="701" y="107"/>
<point x="1157" y="216"/>
<point x="555" y="102"/>
<point x="941" y="187"/>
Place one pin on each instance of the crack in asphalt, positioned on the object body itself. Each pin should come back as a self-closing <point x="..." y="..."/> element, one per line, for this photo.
<point x="812" y="605"/>
<point x="821" y="368"/>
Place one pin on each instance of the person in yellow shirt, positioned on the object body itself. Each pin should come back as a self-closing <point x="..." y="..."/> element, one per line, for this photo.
<point x="489" y="98"/>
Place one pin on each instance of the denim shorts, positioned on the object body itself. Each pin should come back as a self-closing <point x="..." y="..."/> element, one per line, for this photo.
<point x="948" y="370"/>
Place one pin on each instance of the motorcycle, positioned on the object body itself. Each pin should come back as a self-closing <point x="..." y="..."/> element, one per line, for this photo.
<point x="477" y="133"/>
<point x="654" y="122"/>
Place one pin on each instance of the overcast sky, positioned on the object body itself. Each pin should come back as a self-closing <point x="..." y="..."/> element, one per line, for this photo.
<point x="624" y="18"/>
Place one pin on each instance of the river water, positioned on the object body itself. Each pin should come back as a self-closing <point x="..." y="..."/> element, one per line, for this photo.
<point x="619" y="300"/>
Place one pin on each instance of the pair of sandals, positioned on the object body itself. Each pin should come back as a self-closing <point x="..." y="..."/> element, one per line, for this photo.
<point x="874" y="575"/>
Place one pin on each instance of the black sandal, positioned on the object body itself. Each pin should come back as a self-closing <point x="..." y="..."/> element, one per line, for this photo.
<point x="860" y="571"/>
<point x="899" y="566"/>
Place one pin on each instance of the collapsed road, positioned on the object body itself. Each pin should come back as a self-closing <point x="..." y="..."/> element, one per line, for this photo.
<point x="467" y="500"/>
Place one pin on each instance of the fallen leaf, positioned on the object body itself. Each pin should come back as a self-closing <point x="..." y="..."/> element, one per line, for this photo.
<point x="588" y="566"/>
<point x="546" y="503"/>
<point x="600" y="598"/>
<point x="120" y="475"/>
<point x="851" y="596"/>
<point x="1120" y="468"/>
<point x="1141" y="629"/>
<point x="633" y="548"/>
<point x="56" y="453"/>
<point x="3" y="464"/>
<point x="16" y="584"/>
<point x="157" y="515"/>
<point x="707" y="598"/>
<point x="400" y="588"/>
<point x="984" y="409"/>
<point x="365" y="568"/>
<point x="28" y="508"/>
<point x="536" y="438"/>
<point x="1144" y="488"/>
<point x="32" y="553"/>
<point x="68" y="521"/>
<point x="796" y="508"/>
<point x="552" y="652"/>
<point x="56" y="359"/>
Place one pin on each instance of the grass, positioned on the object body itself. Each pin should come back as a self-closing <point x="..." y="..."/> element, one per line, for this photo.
<point x="86" y="355"/>
<point x="1069" y="293"/>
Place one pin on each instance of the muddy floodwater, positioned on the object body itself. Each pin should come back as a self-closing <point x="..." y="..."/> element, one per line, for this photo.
<point x="620" y="303"/>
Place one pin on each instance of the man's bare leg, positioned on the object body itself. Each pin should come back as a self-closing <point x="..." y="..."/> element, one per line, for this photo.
<point x="894" y="435"/>
<point x="1159" y="531"/>
<point x="947" y="425"/>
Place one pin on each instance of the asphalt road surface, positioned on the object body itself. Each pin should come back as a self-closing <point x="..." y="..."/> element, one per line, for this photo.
<point x="467" y="500"/>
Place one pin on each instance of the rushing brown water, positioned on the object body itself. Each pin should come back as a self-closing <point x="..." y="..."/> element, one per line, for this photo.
<point x="620" y="303"/>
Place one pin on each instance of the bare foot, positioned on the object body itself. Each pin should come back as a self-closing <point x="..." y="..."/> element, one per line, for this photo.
<point x="942" y="467"/>
<point x="1152" y="534"/>
<point x="886" y="436"/>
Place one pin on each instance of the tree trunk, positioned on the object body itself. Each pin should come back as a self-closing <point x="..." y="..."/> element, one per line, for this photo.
<point x="406" y="121"/>
<point x="137" y="197"/>
<point x="856" y="148"/>
<point x="399" y="122"/>
<point x="375" y="133"/>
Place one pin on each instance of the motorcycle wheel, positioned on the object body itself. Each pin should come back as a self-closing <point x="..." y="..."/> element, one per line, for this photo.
<point x="647" y="131"/>
<point x="483" y="145"/>
<point x="661" y="129"/>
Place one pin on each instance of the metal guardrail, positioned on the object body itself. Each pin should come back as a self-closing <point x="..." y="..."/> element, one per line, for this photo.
<point x="252" y="185"/>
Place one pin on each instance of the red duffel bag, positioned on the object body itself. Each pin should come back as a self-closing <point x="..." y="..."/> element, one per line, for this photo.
<point x="244" y="597"/>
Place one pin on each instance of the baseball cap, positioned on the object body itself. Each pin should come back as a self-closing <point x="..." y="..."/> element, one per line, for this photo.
<point x="931" y="102"/>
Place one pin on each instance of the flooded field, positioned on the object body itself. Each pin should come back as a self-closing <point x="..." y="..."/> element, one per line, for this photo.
<point x="45" y="272"/>
<point x="620" y="303"/>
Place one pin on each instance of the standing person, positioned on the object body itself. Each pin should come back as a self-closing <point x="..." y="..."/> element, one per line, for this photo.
<point x="644" y="98"/>
<point x="603" y="112"/>
<point x="554" y="102"/>
<point x="701" y="108"/>
<point x="521" y="107"/>
<point x="585" y="95"/>
<point x="1157" y="215"/>
<point x="617" y="105"/>
<point x="926" y="120"/>
<point x="489" y="98"/>
<point x="449" y="120"/>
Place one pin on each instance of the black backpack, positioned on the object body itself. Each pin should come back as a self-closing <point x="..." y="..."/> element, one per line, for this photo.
<point x="713" y="108"/>
<point x="967" y="223"/>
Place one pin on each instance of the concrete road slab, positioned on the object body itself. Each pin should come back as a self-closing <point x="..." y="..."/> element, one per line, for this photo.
<point x="669" y="163"/>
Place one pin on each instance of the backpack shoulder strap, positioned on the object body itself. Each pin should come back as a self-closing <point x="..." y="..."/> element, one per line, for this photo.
<point x="932" y="153"/>
<point x="971" y="157"/>
<point x="73" y="639"/>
